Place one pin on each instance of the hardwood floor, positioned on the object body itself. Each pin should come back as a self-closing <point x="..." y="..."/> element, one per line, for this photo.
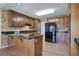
<point x="11" y="52"/>
<point x="49" y="49"/>
<point x="56" y="49"/>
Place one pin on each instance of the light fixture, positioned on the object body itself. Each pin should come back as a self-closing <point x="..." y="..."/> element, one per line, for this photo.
<point x="53" y="20"/>
<point x="44" y="12"/>
<point x="19" y="4"/>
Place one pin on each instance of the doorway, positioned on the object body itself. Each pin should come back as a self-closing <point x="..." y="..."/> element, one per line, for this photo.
<point x="62" y="45"/>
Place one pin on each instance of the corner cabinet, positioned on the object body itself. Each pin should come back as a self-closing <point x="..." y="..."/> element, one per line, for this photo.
<point x="33" y="47"/>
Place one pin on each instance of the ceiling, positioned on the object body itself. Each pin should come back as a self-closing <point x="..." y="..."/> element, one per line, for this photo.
<point x="2" y="5"/>
<point x="30" y="9"/>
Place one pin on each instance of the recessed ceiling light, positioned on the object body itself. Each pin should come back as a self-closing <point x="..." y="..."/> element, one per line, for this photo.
<point x="44" y="12"/>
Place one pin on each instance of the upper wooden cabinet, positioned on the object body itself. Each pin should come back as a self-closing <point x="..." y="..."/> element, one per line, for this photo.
<point x="18" y="20"/>
<point x="32" y="23"/>
<point x="62" y="21"/>
<point x="14" y="19"/>
<point x="38" y="25"/>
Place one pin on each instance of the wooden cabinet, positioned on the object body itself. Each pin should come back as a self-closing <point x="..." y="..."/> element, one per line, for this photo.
<point x="62" y="21"/>
<point x="38" y="25"/>
<point x="27" y="21"/>
<point x="28" y="47"/>
<point x="38" y="46"/>
<point x="15" y="19"/>
<point x="32" y="23"/>
<point x="11" y="41"/>
<point x="34" y="46"/>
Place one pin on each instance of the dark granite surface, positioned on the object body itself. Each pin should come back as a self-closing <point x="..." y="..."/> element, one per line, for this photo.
<point x="12" y="32"/>
<point x="25" y="37"/>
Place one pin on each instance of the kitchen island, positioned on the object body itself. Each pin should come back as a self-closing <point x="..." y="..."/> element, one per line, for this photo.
<point x="29" y="46"/>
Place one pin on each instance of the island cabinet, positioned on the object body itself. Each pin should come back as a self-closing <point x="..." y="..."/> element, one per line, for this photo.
<point x="38" y="46"/>
<point x="33" y="47"/>
<point x="27" y="47"/>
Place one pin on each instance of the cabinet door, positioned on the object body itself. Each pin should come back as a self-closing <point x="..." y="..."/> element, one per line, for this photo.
<point x="15" y="19"/>
<point x="19" y="43"/>
<point x="38" y="25"/>
<point x="32" y="23"/>
<point x="11" y="41"/>
<point x="18" y="20"/>
<point x="10" y="15"/>
<point x="38" y="46"/>
<point x="19" y="46"/>
<point x="29" y="47"/>
<point x="27" y="20"/>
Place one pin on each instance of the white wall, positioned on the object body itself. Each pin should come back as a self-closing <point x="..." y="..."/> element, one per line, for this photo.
<point x="42" y="28"/>
<point x="43" y="21"/>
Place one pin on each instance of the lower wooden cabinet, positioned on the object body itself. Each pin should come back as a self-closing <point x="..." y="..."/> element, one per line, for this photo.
<point x="38" y="46"/>
<point x="11" y="41"/>
<point x="33" y="46"/>
<point x="29" y="47"/>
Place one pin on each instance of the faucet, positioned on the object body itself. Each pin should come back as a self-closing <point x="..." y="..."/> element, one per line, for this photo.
<point x="17" y="32"/>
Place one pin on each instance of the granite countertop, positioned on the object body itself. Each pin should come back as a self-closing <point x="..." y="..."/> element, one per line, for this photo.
<point x="25" y="37"/>
<point x="63" y="30"/>
<point x="21" y="31"/>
